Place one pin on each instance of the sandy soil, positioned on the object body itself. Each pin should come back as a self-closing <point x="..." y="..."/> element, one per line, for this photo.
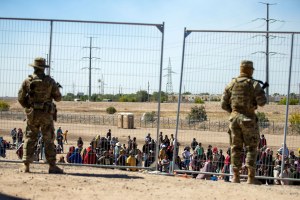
<point x="96" y="183"/>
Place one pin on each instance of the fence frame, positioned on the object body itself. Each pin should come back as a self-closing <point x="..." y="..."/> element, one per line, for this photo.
<point x="186" y="33"/>
<point x="160" y="27"/>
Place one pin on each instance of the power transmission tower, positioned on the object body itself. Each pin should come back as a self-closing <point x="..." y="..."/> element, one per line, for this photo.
<point x="120" y="90"/>
<point x="267" y="49"/>
<point x="73" y="88"/>
<point x="267" y="52"/>
<point x="102" y="83"/>
<point x="90" y="65"/>
<point x="169" y="85"/>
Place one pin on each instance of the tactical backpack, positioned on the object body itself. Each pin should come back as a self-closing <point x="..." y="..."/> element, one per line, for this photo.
<point x="39" y="91"/>
<point x="242" y="95"/>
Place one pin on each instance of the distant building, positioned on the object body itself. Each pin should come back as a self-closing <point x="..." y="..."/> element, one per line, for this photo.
<point x="80" y="94"/>
<point x="192" y="97"/>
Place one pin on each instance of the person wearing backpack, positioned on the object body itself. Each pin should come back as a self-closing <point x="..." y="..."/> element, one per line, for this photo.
<point x="241" y="98"/>
<point x="36" y="96"/>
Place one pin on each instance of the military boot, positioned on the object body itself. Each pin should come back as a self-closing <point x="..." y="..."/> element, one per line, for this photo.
<point x="236" y="175"/>
<point x="24" y="168"/>
<point x="251" y="177"/>
<point x="53" y="169"/>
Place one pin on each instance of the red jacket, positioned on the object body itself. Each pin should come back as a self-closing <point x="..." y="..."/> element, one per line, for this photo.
<point x="90" y="156"/>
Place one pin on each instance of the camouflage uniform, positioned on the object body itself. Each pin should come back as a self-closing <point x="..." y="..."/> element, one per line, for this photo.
<point x="36" y="96"/>
<point x="240" y="99"/>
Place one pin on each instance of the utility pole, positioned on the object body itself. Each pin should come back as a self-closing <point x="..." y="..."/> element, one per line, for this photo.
<point x="299" y="94"/>
<point x="267" y="47"/>
<point x="148" y="92"/>
<point x="90" y="65"/>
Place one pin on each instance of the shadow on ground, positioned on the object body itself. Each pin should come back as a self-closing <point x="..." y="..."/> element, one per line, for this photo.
<point x="7" y="197"/>
<point x="124" y="176"/>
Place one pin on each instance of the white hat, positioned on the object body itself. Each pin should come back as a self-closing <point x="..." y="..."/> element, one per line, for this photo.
<point x="118" y="144"/>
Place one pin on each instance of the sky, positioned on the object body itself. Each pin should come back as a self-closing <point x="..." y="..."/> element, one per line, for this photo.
<point x="176" y="14"/>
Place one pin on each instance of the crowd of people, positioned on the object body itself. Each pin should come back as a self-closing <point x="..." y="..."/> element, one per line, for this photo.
<point x="108" y="150"/>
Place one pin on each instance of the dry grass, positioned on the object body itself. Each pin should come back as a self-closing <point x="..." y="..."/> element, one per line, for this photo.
<point x="274" y="112"/>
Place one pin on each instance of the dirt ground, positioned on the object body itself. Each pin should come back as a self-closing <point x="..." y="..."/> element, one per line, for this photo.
<point x="96" y="183"/>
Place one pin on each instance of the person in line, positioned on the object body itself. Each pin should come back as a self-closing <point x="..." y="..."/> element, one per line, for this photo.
<point x="131" y="161"/>
<point x="13" y="134"/>
<point x="194" y="144"/>
<point x="65" y="136"/>
<point x="75" y="157"/>
<point x="19" y="136"/>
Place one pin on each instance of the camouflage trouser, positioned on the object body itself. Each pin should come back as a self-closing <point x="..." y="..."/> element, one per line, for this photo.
<point x="244" y="131"/>
<point x="38" y="120"/>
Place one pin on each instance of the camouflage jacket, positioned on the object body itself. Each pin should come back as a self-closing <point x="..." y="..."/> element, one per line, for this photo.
<point x="26" y="96"/>
<point x="258" y="97"/>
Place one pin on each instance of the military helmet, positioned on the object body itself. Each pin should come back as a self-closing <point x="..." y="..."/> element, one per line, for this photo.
<point x="39" y="62"/>
<point x="246" y="68"/>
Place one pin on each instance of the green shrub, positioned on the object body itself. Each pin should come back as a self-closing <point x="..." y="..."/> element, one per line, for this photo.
<point x="262" y="120"/>
<point x="150" y="116"/>
<point x="111" y="110"/>
<point x="4" y="106"/>
<point x="262" y="117"/>
<point x="295" y="122"/>
<point x="197" y="114"/>
<point x="198" y="100"/>
<point x="292" y="101"/>
<point x="126" y="98"/>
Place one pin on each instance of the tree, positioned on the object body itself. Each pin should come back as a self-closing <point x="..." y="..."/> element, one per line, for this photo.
<point x="69" y="97"/>
<point x="197" y="114"/>
<point x="142" y="96"/>
<point x="204" y="93"/>
<point x="292" y="101"/>
<point x="4" y="106"/>
<point x="262" y="119"/>
<point x="198" y="100"/>
<point x="295" y="122"/>
<point x="150" y="116"/>
<point x="163" y="97"/>
<point x="186" y="93"/>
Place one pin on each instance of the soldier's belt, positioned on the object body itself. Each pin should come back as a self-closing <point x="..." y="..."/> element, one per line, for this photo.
<point x="38" y="106"/>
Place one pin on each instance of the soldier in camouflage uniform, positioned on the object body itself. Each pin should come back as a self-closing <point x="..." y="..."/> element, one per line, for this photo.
<point x="241" y="98"/>
<point x="36" y="96"/>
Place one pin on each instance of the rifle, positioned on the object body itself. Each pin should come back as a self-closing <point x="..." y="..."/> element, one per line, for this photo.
<point x="58" y="85"/>
<point x="264" y="84"/>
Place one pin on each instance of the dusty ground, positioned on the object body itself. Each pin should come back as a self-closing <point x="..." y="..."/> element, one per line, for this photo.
<point x="96" y="183"/>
